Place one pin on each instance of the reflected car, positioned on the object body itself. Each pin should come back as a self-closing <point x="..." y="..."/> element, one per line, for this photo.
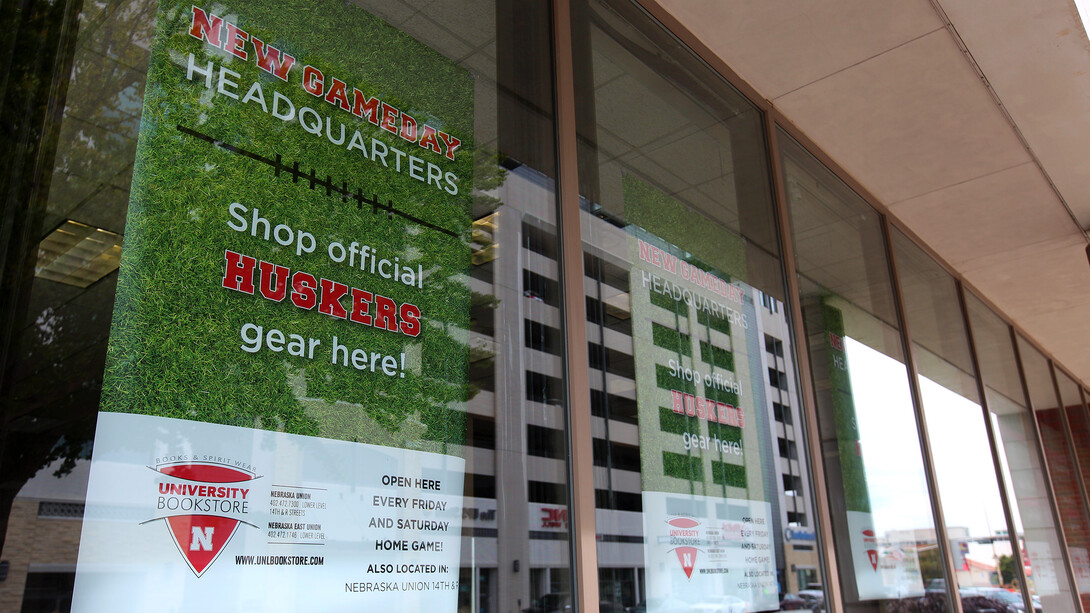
<point x="721" y="604"/>
<point x="557" y="602"/>
<point x="793" y="602"/>
<point x="812" y="597"/>
<point x="1012" y="601"/>
<point x="974" y="603"/>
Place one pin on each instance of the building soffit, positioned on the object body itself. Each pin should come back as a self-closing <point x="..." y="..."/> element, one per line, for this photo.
<point x="968" y="120"/>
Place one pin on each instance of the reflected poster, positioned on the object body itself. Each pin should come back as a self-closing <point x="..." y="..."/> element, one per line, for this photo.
<point x="707" y="512"/>
<point x="283" y="406"/>
<point x="885" y="561"/>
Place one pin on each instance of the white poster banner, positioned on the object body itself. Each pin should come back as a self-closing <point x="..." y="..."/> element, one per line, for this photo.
<point x="1080" y="563"/>
<point x="237" y="519"/>
<point x="705" y="443"/>
<point x="884" y="568"/>
<point x="710" y="553"/>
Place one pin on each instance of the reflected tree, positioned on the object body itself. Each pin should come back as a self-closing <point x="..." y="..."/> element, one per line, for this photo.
<point x="89" y="64"/>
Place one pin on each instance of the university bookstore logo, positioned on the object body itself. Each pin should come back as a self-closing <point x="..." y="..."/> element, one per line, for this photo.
<point x="683" y="531"/>
<point x="870" y="545"/>
<point x="202" y="503"/>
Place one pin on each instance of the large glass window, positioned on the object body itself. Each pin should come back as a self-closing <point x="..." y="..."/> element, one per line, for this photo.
<point x="1042" y="559"/>
<point x="887" y="545"/>
<point x="331" y="380"/>
<point x="701" y="468"/>
<point x="980" y="539"/>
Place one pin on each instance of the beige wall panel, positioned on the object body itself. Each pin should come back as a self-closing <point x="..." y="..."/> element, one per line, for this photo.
<point x="987" y="216"/>
<point x="908" y="122"/>
<point x="781" y="46"/>
<point x="1037" y="57"/>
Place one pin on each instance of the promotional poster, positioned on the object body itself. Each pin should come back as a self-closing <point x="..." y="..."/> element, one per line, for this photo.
<point x="284" y="395"/>
<point x="708" y="524"/>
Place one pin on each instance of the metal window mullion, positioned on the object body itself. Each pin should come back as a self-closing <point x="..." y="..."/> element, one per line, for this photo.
<point x="1082" y="399"/>
<point x="581" y="525"/>
<point x="1056" y="520"/>
<point x="808" y="398"/>
<point x="921" y="423"/>
<point x="993" y="445"/>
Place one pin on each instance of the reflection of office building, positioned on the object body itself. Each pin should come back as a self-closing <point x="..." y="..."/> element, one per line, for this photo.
<point x="507" y="293"/>
<point x="798" y="539"/>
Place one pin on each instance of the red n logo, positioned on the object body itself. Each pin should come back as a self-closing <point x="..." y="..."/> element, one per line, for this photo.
<point x="687" y="557"/>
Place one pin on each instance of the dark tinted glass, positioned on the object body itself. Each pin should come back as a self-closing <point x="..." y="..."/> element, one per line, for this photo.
<point x="332" y="377"/>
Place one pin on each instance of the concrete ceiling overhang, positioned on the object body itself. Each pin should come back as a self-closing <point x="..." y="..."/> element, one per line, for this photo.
<point x="969" y="120"/>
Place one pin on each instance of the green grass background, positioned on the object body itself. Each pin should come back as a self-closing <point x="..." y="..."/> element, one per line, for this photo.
<point x="853" y="472"/>
<point x="666" y="466"/>
<point x="174" y="346"/>
<point x="708" y="246"/>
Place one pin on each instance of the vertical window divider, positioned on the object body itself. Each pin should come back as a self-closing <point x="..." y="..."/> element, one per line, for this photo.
<point x="941" y="534"/>
<point x="818" y="486"/>
<point x="1008" y="513"/>
<point x="1082" y="398"/>
<point x="581" y="524"/>
<point x="1056" y="519"/>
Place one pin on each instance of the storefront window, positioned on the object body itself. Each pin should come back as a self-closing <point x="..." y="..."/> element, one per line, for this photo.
<point x="283" y="326"/>
<point x="701" y="471"/>
<point x="887" y="546"/>
<point x="315" y="392"/>
<point x="979" y="538"/>
<point x="1063" y="466"/>
<point x="1020" y="459"/>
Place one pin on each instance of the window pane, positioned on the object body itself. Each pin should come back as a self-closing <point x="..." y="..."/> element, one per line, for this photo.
<point x="882" y="520"/>
<point x="320" y="389"/>
<point x="981" y="542"/>
<point x="703" y="490"/>
<point x="1020" y="460"/>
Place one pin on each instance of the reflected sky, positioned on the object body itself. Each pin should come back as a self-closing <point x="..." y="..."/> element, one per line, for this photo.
<point x="891" y="453"/>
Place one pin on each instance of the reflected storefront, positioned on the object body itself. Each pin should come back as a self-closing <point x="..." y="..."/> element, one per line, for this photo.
<point x="487" y="307"/>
